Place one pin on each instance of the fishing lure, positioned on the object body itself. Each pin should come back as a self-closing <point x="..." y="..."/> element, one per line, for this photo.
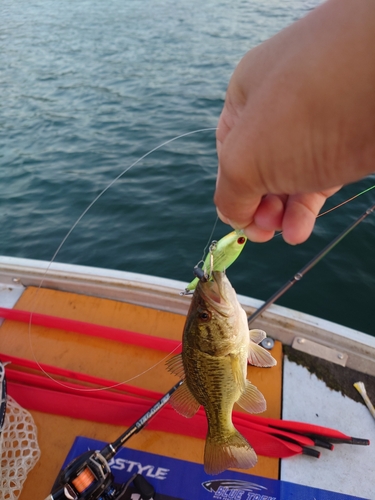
<point x="224" y="252"/>
<point x="221" y="255"/>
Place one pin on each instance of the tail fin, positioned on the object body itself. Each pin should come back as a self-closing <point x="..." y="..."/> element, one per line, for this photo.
<point x="235" y="451"/>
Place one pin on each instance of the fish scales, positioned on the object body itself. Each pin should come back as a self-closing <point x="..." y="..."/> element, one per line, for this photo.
<point x="216" y="347"/>
<point x="210" y="378"/>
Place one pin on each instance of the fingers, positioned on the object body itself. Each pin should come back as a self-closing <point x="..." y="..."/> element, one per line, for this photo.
<point x="257" y="234"/>
<point x="270" y="212"/>
<point x="300" y="215"/>
<point x="294" y="215"/>
<point x="267" y="219"/>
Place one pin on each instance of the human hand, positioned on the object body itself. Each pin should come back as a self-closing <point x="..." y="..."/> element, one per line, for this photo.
<point x="298" y="122"/>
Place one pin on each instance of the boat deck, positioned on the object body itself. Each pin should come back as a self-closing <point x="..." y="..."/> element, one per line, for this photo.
<point x="347" y="469"/>
<point x="291" y="389"/>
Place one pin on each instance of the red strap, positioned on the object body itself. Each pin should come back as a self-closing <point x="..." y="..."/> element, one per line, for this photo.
<point x="269" y="425"/>
<point x="38" y="392"/>
<point x="71" y="325"/>
<point x="87" y="406"/>
<point x="83" y="377"/>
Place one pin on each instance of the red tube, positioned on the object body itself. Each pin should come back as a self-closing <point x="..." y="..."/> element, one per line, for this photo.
<point x="107" y="332"/>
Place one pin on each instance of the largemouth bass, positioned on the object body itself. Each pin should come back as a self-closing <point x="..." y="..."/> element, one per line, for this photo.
<point x="216" y="347"/>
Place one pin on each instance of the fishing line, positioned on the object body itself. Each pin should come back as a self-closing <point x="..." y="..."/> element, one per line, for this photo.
<point x="113" y="386"/>
<point x="346" y="201"/>
<point x="72" y="229"/>
<point x="337" y="206"/>
<point x="209" y="243"/>
<point x="115" y="180"/>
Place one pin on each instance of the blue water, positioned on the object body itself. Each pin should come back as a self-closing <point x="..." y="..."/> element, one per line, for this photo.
<point x="87" y="87"/>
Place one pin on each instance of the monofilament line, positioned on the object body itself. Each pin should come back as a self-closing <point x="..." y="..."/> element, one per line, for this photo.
<point x="210" y="129"/>
<point x="116" y="179"/>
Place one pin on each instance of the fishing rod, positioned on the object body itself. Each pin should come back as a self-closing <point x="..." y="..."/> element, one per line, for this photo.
<point x="301" y="273"/>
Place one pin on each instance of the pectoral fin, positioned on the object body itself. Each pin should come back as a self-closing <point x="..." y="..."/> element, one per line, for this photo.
<point x="258" y="356"/>
<point x="252" y="400"/>
<point x="175" y="366"/>
<point x="184" y="402"/>
<point x="257" y="335"/>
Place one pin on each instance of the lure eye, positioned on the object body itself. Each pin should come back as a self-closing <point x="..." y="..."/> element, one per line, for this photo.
<point x="205" y="316"/>
<point x="241" y="240"/>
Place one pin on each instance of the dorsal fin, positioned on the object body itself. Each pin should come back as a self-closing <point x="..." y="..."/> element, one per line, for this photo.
<point x="257" y="335"/>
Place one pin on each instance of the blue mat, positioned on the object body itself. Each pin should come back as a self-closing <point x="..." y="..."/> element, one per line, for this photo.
<point x="180" y="480"/>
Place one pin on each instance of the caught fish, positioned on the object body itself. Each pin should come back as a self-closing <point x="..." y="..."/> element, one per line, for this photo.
<point x="221" y="255"/>
<point x="217" y="345"/>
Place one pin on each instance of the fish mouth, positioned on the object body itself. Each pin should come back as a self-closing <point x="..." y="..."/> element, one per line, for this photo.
<point x="218" y="293"/>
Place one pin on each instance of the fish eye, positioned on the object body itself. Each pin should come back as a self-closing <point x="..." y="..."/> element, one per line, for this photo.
<point x="205" y="315"/>
<point x="241" y="240"/>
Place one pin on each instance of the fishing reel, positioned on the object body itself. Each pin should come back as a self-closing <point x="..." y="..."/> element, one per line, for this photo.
<point x="89" y="477"/>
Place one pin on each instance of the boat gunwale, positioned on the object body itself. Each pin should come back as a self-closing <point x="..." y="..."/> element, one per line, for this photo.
<point x="279" y="322"/>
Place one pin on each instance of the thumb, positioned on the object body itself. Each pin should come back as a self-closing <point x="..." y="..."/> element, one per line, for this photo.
<point x="234" y="206"/>
<point x="238" y="188"/>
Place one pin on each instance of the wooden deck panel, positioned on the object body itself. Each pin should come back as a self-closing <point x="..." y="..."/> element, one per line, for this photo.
<point x="114" y="361"/>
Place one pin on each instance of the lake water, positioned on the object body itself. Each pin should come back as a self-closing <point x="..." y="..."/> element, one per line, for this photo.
<point x="88" y="87"/>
